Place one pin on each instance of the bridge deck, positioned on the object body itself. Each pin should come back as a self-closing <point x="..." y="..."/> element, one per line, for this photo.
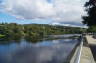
<point x="86" y="55"/>
<point x="90" y="40"/>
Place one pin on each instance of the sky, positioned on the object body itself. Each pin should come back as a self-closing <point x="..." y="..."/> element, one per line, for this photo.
<point x="61" y="12"/>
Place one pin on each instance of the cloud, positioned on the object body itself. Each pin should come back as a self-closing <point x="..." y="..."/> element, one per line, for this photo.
<point x="30" y="9"/>
<point x="57" y="10"/>
<point x="72" y="24"/>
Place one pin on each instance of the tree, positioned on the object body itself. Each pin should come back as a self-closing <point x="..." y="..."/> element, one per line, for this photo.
<point x="90" y="19"/>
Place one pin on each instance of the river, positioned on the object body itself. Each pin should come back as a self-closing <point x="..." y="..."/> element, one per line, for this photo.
<point x="46" y="51"/>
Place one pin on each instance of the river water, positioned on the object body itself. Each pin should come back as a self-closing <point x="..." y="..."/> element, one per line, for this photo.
<point x="46" y="51"/>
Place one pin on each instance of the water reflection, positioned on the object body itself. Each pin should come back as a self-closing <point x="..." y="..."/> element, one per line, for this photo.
<point x="9" y="39"/>
<point x="50" y="51"/>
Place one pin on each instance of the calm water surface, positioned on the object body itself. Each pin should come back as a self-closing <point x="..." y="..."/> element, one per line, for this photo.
<point x="47" y="51"/>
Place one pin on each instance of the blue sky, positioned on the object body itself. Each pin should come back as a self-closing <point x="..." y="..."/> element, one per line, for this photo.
<point x="42" y="11"/>
<point x="6" y="18"/>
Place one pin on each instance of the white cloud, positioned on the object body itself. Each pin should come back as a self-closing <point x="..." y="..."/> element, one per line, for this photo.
<point x="58" y="10"/>
<point x="30" y="9"/>
<point x="68" y="24"/>
<point x="69" y="10"/>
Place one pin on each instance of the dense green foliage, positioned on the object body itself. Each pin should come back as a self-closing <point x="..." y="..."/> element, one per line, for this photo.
<point x="2" y="35"/>
<point x="92" y="29"/>
<point x="90" y="19"/>
<point x="34" y="31"/>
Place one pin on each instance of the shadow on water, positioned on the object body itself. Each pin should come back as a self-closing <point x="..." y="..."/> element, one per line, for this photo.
<point x="9" y="40"/>
<point x="93" y="49"/>
<point x="18" y="39"/>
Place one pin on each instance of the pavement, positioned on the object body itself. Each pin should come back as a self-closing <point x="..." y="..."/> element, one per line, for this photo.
<point x="90" y="40"/>
<point x="86" y="54"/>
<point x="88" y="51"/>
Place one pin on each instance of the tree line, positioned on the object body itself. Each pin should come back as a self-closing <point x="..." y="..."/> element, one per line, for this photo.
<point x="90" y="18"/>
<point x="34" y="31"/>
